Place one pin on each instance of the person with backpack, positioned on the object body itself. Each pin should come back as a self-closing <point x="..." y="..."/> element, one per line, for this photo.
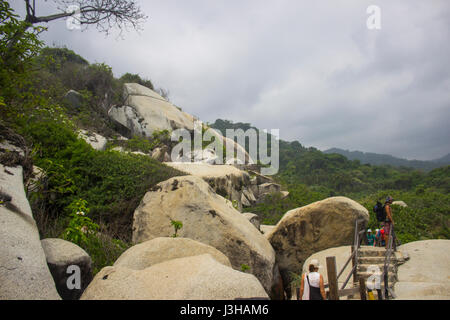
<point x="311" y="286"/>
<point x="389" y="221"/>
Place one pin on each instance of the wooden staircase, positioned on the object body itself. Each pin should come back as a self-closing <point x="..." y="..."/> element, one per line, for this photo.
<point x="371" y="262"/>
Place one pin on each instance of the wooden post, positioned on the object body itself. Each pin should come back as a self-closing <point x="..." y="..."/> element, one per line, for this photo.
<point x="332" y="278"/>
<point x="354" y="262"/>
<point x="362" y="289"/>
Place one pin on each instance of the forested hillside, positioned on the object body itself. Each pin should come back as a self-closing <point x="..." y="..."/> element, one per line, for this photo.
<point x="311" y="175"/>
<point x="385" y="159"/>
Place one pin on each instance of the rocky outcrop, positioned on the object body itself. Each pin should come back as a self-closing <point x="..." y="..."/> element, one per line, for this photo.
<point x="151" y="252"/>
<point x="61" y="256"/>
<point x="198" y="277"/>
<point x="400" y="203"/>
<point x="227" y="181"/>
<point x="254" y="219"/>
<point x="96" y="141"/>
<point x="203" y="156"/>
<point x="161" y="154"/>
<point x="74" y="99"/>
<point x="207" y="218"/>
<point x="24" y="274"/>
<point x="313" y="228"/>
<point x="426" y="275"/>
<point x="266" y="230"/>
<point x="144" y="111"/>
<point x="237" y="148"/>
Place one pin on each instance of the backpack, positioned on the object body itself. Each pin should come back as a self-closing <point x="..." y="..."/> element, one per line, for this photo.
<point x="380" y="212"/>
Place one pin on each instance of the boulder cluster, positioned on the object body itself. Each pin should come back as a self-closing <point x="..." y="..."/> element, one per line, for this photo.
<point x="218" y="253"/>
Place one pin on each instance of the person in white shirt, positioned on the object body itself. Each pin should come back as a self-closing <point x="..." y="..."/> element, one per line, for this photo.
<point x="312" y="287"/>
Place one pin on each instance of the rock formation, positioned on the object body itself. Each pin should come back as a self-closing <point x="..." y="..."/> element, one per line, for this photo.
<point x="61" y="255"/>
<point x="151" y="252"/>
<point x="313" y="228"/>
<point x="144" y="111"/>
<point x="24" y="273"/>
<point x="198" y="277"/>
<point x="426" y="275"/>
<point x="207" y="218"/>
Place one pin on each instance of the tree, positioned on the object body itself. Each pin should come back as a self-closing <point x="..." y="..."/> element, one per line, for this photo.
<point x="17" y="48"/>
<point x="105" y="14"/>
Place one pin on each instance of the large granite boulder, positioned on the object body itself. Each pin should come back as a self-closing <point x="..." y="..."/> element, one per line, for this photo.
<point x="207" y="218"/>
<point x="304" y="231"/>
<point x="151" y="252"/>
<point x="145" y="111"/>
<point x="24" y="274"/>
<point x="426" y="275"/>
<point x="190" y="278"/>
<point x="61" y="256"/>
<point x="226" y="180"/>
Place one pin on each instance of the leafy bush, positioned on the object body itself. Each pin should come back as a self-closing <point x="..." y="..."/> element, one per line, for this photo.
<point x="135" y="78"/>
<point x="113" y="183"/>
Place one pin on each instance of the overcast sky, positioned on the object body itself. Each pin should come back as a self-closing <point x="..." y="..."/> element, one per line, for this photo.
<point x="309" y="68"/>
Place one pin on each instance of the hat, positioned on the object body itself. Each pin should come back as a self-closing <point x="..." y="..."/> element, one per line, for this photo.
<point x="369" y="230"/>
<point x="315" y="263"/>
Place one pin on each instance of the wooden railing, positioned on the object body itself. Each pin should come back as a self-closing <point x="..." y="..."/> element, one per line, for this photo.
<point x="333" y="277"/>
<point x="391" y="248"/>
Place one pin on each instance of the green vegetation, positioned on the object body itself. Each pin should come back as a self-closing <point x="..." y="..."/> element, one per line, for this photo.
<point x="83" y="195"/>
<point x="385" y="159"/>
<point x="135" y="78"/>
<point x="311" y="175"/>
<point x="143" y="144"/>
<point x="245" y="268"/>
<point x="177" y="225"/>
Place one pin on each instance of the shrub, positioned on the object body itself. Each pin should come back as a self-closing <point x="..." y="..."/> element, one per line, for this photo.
<point x="113" y="183"/>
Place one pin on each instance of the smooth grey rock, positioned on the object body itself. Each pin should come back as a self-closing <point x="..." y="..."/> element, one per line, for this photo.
<point x="96" y="141"/>
<point x="207" y="218"/>
<point x="198" y="277"/>
<point x="151" y="252"/>
<point x="62" y="254"/>
<point x="24" y="274"/>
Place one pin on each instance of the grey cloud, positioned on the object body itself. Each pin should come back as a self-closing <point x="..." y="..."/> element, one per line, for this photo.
<point x="311" y="69"/>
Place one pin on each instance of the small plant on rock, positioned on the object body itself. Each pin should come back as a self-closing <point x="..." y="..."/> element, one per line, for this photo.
<point x="244" y="267"/>
<point x="177" y="225"/>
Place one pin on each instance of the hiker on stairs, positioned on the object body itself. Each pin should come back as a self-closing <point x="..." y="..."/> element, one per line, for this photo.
<point x="312" y="287"/>
<point x="389" y="220"/>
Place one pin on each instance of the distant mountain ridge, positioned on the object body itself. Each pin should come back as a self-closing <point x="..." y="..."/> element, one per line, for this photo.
<point x="386" y="159"/>
<point x="445" y="159"/>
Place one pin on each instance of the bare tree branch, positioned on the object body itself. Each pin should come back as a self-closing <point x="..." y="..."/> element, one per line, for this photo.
<point x="105" y="14"/>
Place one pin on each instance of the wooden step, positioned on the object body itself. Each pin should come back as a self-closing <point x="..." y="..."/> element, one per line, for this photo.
<point x="392" y="277"/>
<point x="372" y="252"/>
<point x="375" y="260"/>
<point x="365" y="267"/>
